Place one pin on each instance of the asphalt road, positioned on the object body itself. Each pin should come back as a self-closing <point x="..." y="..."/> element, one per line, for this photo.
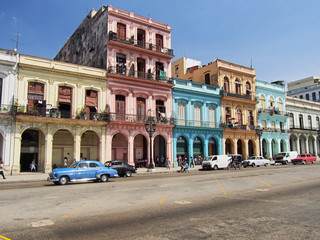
<point x="260" y="203"/>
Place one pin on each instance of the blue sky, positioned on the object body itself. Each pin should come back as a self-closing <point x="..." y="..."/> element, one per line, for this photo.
<point x="280" y="36"/>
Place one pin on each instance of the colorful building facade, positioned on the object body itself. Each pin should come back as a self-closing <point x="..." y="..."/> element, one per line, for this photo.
<point x="238" y="100"/>
<point x="272" y="117"/>
<point x="197" y="119"/>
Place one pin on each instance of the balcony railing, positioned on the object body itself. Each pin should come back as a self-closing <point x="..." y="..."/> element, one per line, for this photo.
<point x="138" y="118"/>
<point x="55" y="113"/>
<point x="238" y="126"/>
<point x="142" y="75"/>
<point x="6" y="109"/>
<point x="273" y="112"/>
<point x="244" y="96"/>
<point x="131" y="41"/>
<point x="297" y="127"/>
<point x="195" y="123"/>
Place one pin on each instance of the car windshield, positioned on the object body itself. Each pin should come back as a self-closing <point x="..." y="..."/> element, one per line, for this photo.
<point x="280" y="154"/>
<point x="251" y="158"/>
<point x="74" y="165"/>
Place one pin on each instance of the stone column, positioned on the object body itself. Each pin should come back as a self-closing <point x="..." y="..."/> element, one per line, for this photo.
<point x="102" y="146"/>
<point x="206" y="146"/>
<point x="16" y="154"/>
<point x="108" y="147"/>
<point x="131" y="149"/>
<point x="298" y="145"/>
<point x="307" y="145"/>
<point x="48" y="153"/>
<point x="77" y="147"/>
<point x="190" y="148"/>
<point x="270" y="148"/>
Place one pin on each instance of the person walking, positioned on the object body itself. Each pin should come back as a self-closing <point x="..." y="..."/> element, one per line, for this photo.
<point x="2" y="169"/>
<point x="168" y="163"/>
<point x="192" y="163"/>
<point x="33" y="166"/>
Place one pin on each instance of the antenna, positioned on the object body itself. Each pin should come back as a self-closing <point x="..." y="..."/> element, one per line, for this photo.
<point x="17" y="41"/>
<point x="251" y="64"/>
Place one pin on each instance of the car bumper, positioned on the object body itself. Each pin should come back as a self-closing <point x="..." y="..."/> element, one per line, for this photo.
<point x="52" y="179"/>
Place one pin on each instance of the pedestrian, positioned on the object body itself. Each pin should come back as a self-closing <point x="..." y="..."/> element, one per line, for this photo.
<point x="33" y="166"/>
<point x="192" y="162"/>
<point x="2" y="169"/>
<point x="162" y="161"/>
<point x="65" y="162"/>
<point x="168" y="163"/>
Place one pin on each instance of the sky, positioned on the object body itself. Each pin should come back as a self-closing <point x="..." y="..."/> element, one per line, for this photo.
<point x="280" y="38"/>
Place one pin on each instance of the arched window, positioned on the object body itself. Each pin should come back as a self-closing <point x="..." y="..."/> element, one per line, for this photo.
<point x="291" y="120"/>
<point x="301" y="121"/>
<point x="248" y="88"/>
<point x="197" y="115"/>
<point x="212" y="117"/>
<point x="264" y="124"/>
<point x="262" y="102"/>
<point x="226" y="84"/>
<point x="273" y="125"/>
<point x="280" y="106"/>
<point x="181" y="114"/>
<point x="250" y="118"/>
<point x="271" y="101"/>
<point x="309" y="122"/>
<point x="238" y="86"/>
<point x="239" y="116"/>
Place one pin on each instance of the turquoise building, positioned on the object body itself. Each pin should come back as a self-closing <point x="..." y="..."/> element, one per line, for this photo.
<point x="197" y="118"/>
<point x="272" y="117"/>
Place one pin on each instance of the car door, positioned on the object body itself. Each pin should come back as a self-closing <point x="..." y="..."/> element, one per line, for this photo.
<point x="82" y="171"/>
<point x="93" y="168"/>
<point x="117" y="166"/>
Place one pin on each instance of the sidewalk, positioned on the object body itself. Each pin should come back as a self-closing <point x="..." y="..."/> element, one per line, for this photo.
<point x="26" y="177"/>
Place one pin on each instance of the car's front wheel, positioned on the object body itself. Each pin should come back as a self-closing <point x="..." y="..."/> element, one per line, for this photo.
<point x="63" y="180"/>
<point x="128" y="174"/>
<point x="252" y="165"/>
<point x="104" y="178"/>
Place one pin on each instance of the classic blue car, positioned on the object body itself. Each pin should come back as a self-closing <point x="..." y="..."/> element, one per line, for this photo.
<point x="82" y="171"/>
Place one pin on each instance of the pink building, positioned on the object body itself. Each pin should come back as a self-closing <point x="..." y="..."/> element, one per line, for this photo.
<point x="136" y="51"/>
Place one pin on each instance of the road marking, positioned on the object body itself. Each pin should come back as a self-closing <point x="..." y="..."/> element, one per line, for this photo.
<point x="301" y="179"/>
<point x="42" y="223"/>
<point x="264" y="182"/>
<point x="167" y="193"/>
<point x="182" y="202"/>
<point x="86" y="206"/>
<point x="2" y="237"/>
<point x="224" y="191"/>
<point x="262" y="190"/>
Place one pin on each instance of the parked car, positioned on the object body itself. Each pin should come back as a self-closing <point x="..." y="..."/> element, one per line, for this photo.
<point x="82" y="171"/>
<point x="215" y="162"/>
<point x="256" y="161"/>
<point x="304" y="159"/>
<point x="123" y="168"/>
<point x="285" y="157"/>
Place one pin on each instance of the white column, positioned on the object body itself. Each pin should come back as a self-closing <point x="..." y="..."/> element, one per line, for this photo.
<point x="77" y="147"/>
<point x="48" y="153"/>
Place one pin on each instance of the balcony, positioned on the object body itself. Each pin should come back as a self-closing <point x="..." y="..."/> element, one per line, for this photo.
<point x="142" y="75"/>
<point x="272" y="112"/>
<point x="55" y="113"/>
<point x="308" y="128"/>
<point x="138" y="118"/>
<point x="6" y="109"/>
<point x="238" y="126"/>
<point x="244" y="96"/>
<point x="140" y="44"/>
<point x="194" y="123"/>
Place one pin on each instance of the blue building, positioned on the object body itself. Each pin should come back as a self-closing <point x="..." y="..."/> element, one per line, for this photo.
<point x="197" y="115"/>
<point x="272" y="117"/>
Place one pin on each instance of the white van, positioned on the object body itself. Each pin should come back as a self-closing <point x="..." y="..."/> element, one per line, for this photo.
<point x="285" y="157"/>
<point x="215" y="162"/>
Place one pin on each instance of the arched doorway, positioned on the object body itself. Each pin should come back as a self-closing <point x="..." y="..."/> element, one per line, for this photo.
<point x="182" y="147"/>
<point x="1" y="146"/>
<point x="119" y="147"/>
<point x="265" y="148"/>
<point x="197" y="147"/>
<point x="250" y="148"/>
<point x="212" y="147"/>
<point x="282" y="146"/>
<point x="302" y="142"/>
<point x="311" y="146"/>
<point x="62" y="147"/>
<point x="293" y="143"/>
<point x="239" y="148"/>
<point x="159" y="151"/>
<point x="90" y="146"/>
<point x="274" y="147"/>
<point x="229" y="146"/>
<point x="140" y="151"/>
<point x="30" y="150"/>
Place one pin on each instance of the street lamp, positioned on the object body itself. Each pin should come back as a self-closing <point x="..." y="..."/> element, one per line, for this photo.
<point x="150" y="126"/>
<point x="259" y="132"/>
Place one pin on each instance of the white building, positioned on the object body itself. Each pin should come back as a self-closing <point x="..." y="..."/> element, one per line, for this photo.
<point x="8" y="82"/>
<point x="303" y="125"/>
<point x="307" y="88"/>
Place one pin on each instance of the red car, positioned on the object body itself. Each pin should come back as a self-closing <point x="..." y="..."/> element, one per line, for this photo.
<point x="304" y="159"/>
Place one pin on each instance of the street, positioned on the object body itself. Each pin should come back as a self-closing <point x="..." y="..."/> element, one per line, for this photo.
<point x="276" y="202"/>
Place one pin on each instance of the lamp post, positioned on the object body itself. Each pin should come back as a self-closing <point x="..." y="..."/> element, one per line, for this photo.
<point x="259" y="132"/>
<point x="150" y="126"/>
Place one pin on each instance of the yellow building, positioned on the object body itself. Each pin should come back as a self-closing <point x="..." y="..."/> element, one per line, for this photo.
<point x="59" y="112"/>
<point x="238" y="100"/>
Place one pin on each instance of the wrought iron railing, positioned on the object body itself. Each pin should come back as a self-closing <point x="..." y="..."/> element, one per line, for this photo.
<point x="139" y="118"/>
<point x="141" y="44"/>
<point x="195" y="123"/>
<point x="244" y="96"/>
<point x="273" y="112"/>
<point x="136" y="74"/>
